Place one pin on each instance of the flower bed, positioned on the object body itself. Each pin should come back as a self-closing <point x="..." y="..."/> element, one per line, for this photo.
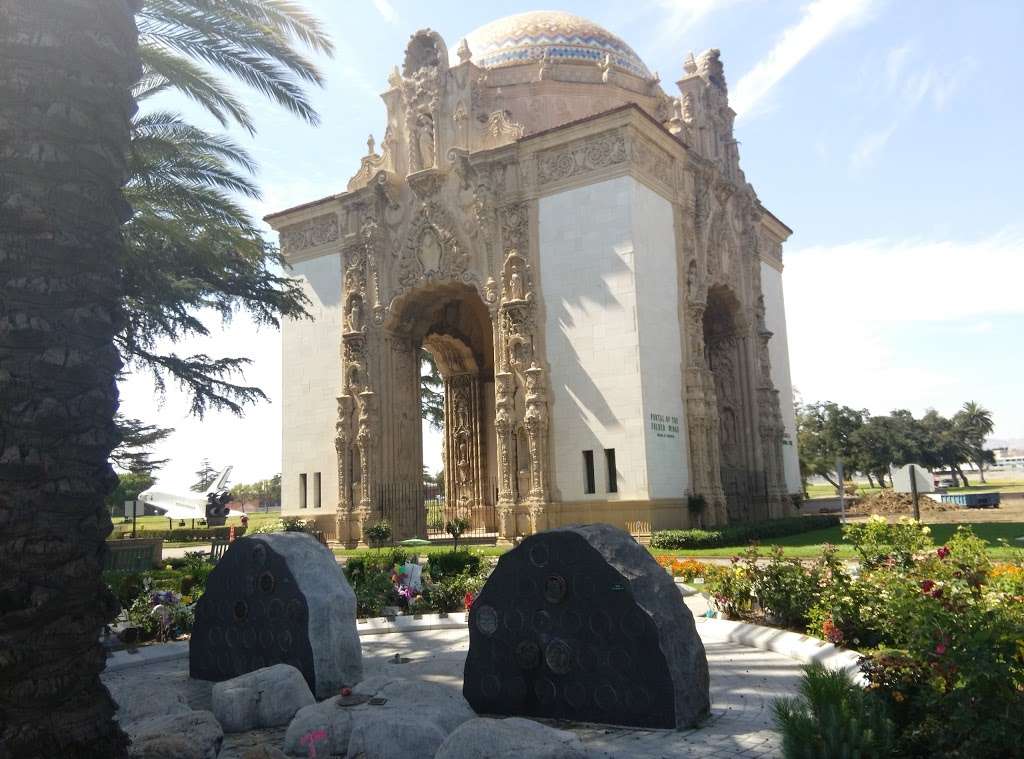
<point x="393" y="579"/>
<point x="942" y="630"/>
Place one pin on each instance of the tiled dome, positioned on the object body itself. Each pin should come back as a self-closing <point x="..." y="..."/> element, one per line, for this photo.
<point x="563" y="36"/>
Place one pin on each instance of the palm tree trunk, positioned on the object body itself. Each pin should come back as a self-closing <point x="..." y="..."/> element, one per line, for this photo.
<point x="66" y="68"/>
<point x="980" y="461"/>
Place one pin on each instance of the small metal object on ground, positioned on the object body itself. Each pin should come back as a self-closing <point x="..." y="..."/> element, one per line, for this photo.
<point x="354" y="699"/>
<point x="399" y="659"/>
<point x="379" y="701"/>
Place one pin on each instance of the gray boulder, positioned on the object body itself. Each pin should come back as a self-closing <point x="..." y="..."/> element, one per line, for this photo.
<point x="581" y="623"/>
<point x="139" y="699"/>
<point x="511" y="738"/>
<point x="268" y="697"/>
<point x="190" y="735"/>
<point x="413" y="720"/>
<point x="278" y="598"/>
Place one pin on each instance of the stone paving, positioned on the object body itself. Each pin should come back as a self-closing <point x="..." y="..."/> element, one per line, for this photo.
<point x="744" y="682"/>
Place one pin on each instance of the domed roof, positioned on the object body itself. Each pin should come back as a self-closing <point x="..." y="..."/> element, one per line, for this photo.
<point x="562" y="36"/>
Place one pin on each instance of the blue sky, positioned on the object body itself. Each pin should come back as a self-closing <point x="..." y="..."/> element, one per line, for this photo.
<point x="886" y="134"/>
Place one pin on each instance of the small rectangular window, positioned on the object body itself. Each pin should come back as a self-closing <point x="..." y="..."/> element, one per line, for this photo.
<point x="613" y="476"/>
<point x="316" y="490"/>
<point x="590" y="485"/>
<point x="302" y="490"/>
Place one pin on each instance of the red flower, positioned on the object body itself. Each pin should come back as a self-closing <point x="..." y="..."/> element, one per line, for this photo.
<point x="937" y="593"/>
<point x="943" y="552"/>
<point x="927" y="585"/>
<point x="468" y="600"/>
<point x="940" y="648"/>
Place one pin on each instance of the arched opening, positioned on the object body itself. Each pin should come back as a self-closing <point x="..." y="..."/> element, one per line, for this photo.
<point x="453" y="325"/>
<point x="726" y="356"/>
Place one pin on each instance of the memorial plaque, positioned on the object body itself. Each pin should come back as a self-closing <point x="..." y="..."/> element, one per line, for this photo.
<point x="277" y="599"/>
<point x="581" y="623"/>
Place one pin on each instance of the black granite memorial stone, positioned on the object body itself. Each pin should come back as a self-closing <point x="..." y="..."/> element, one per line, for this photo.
<point x="581" y="623"/>
<point x="277" y="599"/>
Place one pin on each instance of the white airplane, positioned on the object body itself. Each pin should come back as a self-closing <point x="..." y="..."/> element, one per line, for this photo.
<point x="188" y="504"/>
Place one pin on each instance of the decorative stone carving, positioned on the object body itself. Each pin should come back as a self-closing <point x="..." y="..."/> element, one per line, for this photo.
<point x="500" y="130"/>
<point x="581" y="157"/>
<point x="319" y="230"/>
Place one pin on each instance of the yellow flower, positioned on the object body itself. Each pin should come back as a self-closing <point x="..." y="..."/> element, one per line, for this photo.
<point x="897" y="696"/>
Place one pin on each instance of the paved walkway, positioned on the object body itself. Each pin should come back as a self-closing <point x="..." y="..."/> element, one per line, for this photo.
<point x="744" y="682"/>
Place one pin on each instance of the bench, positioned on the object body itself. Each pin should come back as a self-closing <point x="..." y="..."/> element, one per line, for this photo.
<point x="130" y="555"/>
<point x="217" y="549"/>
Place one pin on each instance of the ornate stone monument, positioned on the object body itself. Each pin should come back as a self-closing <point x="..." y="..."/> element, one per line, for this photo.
<point x="278" y="599"/>
<point x="581" y="623"/>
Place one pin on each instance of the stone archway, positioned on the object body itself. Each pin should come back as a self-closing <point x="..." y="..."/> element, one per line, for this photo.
<point x="452" y="323"/>
<point x="728" y="358"/>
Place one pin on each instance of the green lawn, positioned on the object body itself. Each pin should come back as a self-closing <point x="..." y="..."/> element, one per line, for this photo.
<point x="810" y="544"/>
<point x="1000" y="486"/>
<point x="160" y="523"/>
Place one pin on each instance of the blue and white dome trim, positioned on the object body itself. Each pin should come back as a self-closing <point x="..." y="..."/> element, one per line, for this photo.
<point x="528" y="37"/>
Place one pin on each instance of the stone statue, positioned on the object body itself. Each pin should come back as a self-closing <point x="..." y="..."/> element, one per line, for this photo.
<point x="355" y="314"/>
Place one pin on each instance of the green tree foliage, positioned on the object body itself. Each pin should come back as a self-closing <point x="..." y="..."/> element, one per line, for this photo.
<point x="191" y="246"/>
<point x="205" y="476"/>
<point x="431" y="391"/>
<point x="135" y="451"/>
<point x="825" y="432"/>
<point x="267" y="493"/>
<point x="871" y="444"/>
<point x="974" y="422"/>
<point x="129" y="485"/>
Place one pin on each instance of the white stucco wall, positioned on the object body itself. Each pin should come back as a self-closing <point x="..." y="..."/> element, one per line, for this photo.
<point x="608" y="276"/>
<point x="660" y="340"/>
<point x="778" y="354"/>
<point x="311" y="381"/>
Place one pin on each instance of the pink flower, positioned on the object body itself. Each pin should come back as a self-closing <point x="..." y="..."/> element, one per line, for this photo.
<point x="943" y="552"/>
<point x="927" y="585"/>
<point x="940" y="648"/>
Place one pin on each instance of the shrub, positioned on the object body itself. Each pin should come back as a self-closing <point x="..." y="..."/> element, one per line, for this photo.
<point x="449" y="593"/>
<point x="455" y="528"/>
<point x="879" y="542"/>
<point x="378" y="534"/>
<point x="785" y="589"/>
<point x="833" y="717"/>
<point x="732" y="587"/>
<point x="450" y="563"/>
<point x="741" y="534"/>
<point x="202" y="535"/>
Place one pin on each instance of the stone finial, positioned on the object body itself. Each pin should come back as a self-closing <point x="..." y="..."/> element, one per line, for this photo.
<point x="464" y="52"/>
<point x="395" y="78"/>
<point x="690" y="65"/>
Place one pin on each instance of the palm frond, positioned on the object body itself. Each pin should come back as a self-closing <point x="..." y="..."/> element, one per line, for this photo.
<point x="282" y="15"/>
<point x="164" y="69"/>
<point x="169" y="129"/>
<point x="259" y="55"/>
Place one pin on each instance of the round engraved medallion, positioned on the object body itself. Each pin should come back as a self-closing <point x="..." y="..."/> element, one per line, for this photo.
<point x="601" y="623"/>
<point x="266" y="638"/>
<point x="266" y="582"/>
<point x="215" y="636"/>
<point x="528" y="654"/>
<point x="606" y="697"/>
<point x="539" y="554"/>
<point x="542" y="622"/>
<point x="575" y="694"/>
<point x="554" y="589"/>
<point x="545" y="691"/>
<point x="248" y="638"/>
<point x="487" y="620"/>
<point x="231" y="637"/>
<point x="240" y="611"/>
<point x="258" y="555"/>
<point x="515" y="621"/>
<point x="558" y="657"/>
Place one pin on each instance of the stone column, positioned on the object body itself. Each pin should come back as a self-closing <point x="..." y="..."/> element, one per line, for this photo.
<point x="503" y="428"/>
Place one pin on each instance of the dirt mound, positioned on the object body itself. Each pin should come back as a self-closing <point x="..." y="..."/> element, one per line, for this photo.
<point x="890" y="502"/>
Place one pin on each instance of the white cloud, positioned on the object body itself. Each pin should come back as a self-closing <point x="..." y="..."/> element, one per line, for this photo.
<point x="821" y="20"/>
<point x="386" y="10"/>
<point x="909" y="90"/>
<point x="853" y="311"/>
<point x="871" y="144"/>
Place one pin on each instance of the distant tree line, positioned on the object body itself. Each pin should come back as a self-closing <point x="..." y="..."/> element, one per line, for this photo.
<point x="267" y="493"/>
<point x="828" y="432"/>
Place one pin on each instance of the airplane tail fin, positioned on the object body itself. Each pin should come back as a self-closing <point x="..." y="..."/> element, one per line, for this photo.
<point x="221" y="482"/>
